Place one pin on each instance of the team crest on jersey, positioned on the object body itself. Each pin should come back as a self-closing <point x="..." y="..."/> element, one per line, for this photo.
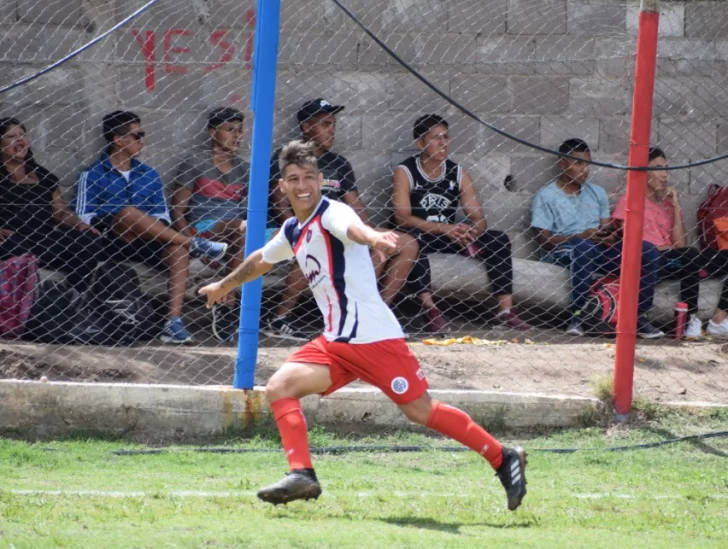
<point x="400" y="385"/>
<point x="309" y="234"/>
<point x="313" y="270"/>
<point x="434" y="201"/>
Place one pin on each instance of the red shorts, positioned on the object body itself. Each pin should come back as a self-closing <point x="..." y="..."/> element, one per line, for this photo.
<point x="388" y="365"/>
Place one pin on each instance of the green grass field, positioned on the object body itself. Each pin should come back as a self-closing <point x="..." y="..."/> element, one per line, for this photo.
<point x="80" y="494"/>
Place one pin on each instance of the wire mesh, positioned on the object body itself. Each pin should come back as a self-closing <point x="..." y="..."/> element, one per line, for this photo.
<point x="544" y="71"/>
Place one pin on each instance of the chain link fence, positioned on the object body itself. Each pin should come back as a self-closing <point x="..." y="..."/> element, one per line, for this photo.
<point x="541" y="71"/>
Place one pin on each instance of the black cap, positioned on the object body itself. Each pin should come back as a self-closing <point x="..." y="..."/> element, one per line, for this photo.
<point x="219" y="116"/>
<point x="316" y="106"/>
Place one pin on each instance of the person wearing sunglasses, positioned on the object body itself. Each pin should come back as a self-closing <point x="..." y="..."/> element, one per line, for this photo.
<point x="124" y="199"/>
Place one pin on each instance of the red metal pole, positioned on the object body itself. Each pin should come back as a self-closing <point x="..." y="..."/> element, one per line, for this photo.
<point x="639" y="146"/>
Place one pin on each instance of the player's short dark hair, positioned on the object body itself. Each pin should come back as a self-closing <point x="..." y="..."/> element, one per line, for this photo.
<point x="655" y="153"/>
<point x="425" y="123"/>
<point x="118" y="123"/>
<point x="219" y="116"/>
<point x="574" y="145"/>
<point x="299" y="153"/>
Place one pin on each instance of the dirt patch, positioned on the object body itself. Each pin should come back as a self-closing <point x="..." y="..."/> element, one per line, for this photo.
<point x="666" y="371"/>
<point x="14" y="365"/>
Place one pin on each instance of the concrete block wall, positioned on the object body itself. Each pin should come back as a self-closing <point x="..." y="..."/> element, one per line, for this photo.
<point x="541" y="69"/>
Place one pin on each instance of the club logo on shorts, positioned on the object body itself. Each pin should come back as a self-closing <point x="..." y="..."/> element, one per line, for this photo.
<point x="400" y="385"/>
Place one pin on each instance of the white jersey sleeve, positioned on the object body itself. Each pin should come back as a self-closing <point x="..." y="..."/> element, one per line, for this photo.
<point x="338" y="218"/>
<point x="278" y="249"/>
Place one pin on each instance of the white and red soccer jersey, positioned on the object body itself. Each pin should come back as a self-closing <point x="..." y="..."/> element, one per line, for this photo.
<point x="339" y="272"/>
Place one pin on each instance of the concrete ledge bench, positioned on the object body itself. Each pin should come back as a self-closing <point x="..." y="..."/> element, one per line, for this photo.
<point x="536" y="284"/>
<point x="546" y="286"/>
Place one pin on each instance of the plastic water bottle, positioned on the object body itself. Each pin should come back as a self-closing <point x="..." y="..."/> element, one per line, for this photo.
<point x="681" y="319"/>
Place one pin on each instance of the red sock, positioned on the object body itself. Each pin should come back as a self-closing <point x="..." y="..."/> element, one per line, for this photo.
<point x="459" y="426"/>
<point x="294" y="432"/>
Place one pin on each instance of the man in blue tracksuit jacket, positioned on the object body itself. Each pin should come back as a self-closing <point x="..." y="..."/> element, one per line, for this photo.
<point x="124" y="199"/>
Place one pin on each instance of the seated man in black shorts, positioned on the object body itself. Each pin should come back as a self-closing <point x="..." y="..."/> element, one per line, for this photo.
<point x="428" y="188"/>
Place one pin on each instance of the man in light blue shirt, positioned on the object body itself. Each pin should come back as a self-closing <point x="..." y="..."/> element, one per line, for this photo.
<point x="572" y="218"/>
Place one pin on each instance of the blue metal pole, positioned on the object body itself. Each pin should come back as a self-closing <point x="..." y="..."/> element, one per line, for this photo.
<point x="262" y="103"/>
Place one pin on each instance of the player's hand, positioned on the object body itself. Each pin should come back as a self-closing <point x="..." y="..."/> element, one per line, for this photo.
<point x="385" y="244"/>
<point x="215" y="293"/>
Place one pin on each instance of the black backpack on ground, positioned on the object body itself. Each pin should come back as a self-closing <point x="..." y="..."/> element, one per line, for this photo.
<point x="112" y="312"/>
<point x="57" y="315"/>
<point x="121" y="309"/>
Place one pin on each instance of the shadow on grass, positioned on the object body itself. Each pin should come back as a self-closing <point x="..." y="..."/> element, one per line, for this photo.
<point x="450" y="527"/>
<point x="698" y="444"/>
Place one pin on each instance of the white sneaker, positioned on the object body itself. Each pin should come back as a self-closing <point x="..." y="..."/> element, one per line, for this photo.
<point x="718" y="330"/>
<point x="694" y="329"/>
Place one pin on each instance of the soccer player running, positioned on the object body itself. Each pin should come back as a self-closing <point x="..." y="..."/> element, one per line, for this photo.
<point x="362" y="338"/>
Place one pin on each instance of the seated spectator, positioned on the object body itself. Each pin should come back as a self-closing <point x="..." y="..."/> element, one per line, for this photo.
<point x="317" y="121"/>
<point x="427" y="190"/>
<point x="664" y="227"/>
<point x="211" y="199"/>
<point x="572" y="218"/>
<point x="34" y="218"/>
<point x="124" y="199"/>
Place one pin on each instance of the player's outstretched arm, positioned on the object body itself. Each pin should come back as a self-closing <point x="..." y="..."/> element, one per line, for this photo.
<point x="250" y="269"/>
<point x="384" y="243"/>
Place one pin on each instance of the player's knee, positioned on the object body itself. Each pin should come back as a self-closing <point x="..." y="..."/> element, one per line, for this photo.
<point x="417" y="416"/>
<point x="276" y="389"/>
<point x="285" y="383"/>
<point x="418" y="411"/>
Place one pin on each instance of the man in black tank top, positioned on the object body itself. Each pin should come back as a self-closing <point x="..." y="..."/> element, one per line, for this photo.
<point x="317" y="120"/>
<point x="428" y="189"/>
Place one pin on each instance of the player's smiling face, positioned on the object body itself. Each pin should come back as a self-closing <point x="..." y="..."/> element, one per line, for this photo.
<point x="302" y="186"/>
